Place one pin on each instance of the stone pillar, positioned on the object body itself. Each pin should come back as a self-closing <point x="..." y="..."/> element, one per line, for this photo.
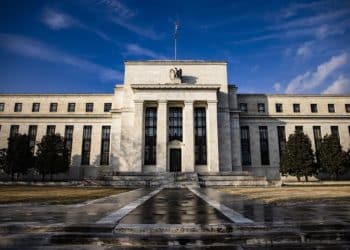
<point x="212" y="132"/>
<point x="188" y="138"/>
<point x="138" y="137"/>
<point x="236" y="143"/>
<point x="162" y="118"/>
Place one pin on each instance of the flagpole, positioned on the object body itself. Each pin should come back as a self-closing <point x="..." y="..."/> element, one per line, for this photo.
<point x="175" y="38"/>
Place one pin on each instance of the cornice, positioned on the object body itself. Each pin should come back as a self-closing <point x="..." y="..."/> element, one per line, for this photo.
<point x="175" y="86"/>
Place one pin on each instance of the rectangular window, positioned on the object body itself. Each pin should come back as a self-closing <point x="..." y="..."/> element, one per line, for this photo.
<point x="32" y="136"/>
<point x="107" y="107"/>
<point x="86" y="146"/>
<point x="298" y="129"/>
<point x="279" y="108"/>
<point x="2" y="107"/>
<point x="335" y="131"/>
<point x="36" y="107"/>
<point x="71" y="107"/>
<point x="150" y="135"/>
<point x="50" y="130"/>
<point x="68" y="139"/>
<point x="331" y="108"/>
<point x="18" y="107"/>
<point x="243" y="107"/>
<point x="264" y="145"/>
<point x="296" y="108"/>
<point x="53" y="107"/>
<point x="245" y="146"/>
<point x="313" y="108"/>
<point x="105" y="141"/>
<point x="175" y="123"/>
<point x="89" y="107"/>
<point x="200" y="133"/>
<point x="261" y="107"/>
<point x="317" y="137"/>
<point x="14" y="130"/>
<point x="347" y="108"/>
<point x="281" y="132"/>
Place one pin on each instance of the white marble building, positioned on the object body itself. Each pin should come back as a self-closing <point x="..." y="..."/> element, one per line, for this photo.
<point x="174" y="116"/>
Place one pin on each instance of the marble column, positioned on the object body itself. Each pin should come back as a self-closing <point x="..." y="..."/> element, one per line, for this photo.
<point x="212" y="130"/>
<point x="188" y="138"/>
<point x="236" y="143"/>
<point x="138" y="137"/>
<point x="162" y="118"/>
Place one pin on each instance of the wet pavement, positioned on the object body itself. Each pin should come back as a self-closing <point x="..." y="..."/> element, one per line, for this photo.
<point x="174" y="218"/>
<point x="173" y="207"/>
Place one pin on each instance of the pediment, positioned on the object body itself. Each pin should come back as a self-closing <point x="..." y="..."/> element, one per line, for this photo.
<point x="175" y="143"/>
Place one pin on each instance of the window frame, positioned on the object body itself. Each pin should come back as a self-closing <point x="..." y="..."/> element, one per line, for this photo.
<point x="279" y="107"/>
<point x="36" y="107"/>
<point x="106" y="108"/>
<point x="69" y="107"/>
<point x="53" y="107"/>
<point x="89" y="107"/>
<point x="331" y="108"/>
<point x="245" y="105"/>
<point x="150" y="148"/>
<point x="175" y="123"/>
<point x="261" y="107"/>
<point x="18" y="107"/>
<point x="2" y="106"/>
<point x="200" y="136"/>
<point x="296" y="107"/>
<point x="313" y="108"/>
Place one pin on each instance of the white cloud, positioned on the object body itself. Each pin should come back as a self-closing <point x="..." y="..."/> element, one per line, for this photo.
<point x="142" y="31"/>
<point x="310" y="80"/>
<point x="304" y="50"/>
<point x="57" y="20"/>
<point x="339" y="86"/>
<point x="117" y="7"/>
<point x="28" y="47"/>
<point x="136" y="50"/>
<point x="277" y="86"/>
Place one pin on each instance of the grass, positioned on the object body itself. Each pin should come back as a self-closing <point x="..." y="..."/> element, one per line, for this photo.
<point x="54" y="194"/>
<point x="295" y="195"/>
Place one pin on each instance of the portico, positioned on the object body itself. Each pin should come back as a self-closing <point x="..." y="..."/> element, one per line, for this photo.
<point x="174" y="129"/>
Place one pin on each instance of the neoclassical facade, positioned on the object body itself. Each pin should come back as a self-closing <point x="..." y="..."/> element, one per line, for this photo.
<point x="174" y="116"/>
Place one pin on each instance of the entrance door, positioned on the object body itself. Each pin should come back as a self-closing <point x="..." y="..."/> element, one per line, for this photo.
<point x="175" y="160"/>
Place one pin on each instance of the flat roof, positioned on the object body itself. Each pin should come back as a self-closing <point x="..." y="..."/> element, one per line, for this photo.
<point x="171" y="62"/>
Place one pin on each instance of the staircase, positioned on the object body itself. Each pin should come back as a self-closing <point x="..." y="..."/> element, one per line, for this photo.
<point x="242" y="178"/>
<point x="182" y="179"/>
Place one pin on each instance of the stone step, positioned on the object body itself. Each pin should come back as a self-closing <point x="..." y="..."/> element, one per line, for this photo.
<point x="231" y="177"/>
<point x="210" y="183"/>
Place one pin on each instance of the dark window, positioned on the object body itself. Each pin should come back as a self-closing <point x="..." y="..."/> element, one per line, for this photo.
<point x="335" y="131"/>
<point x="86" y="146"/>
<point x="150" y="135"/>
<point x="296" y="108"/>
<point x="18" y="107"/>
<point x="107" y="107"/>
<point x="281" y="132"/>
<point x="243" y="107"/>
<point x="200" y="132"/>
<point x="245" y="146"/>
<point x="331" y="108"/>
<point x="68" y="139"/>
<point x="36" y="107"/>
<point x="314" y="108"/>
<point x="347" y="108"/>
<point x="32" y="136"/>
<point x="106" y="131"/>
<point x="279" y="107"/>
<point x="50" y="130"/>
<point x="2" y="107"/>
<point x="14" y="130"/>
<point x="89" y="107"/>
<point x="298" y="129"/>
<point x="264" y="145"/>
<point x="261" y="107"/>
<point x="53" y="107"/>
<point x="175" y="123"/>
<point x="71" y="107"/>
<point x="317" y="137"/>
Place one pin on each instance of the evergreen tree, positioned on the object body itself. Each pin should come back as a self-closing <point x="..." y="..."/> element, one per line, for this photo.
<point x="333" y="160"/>
<point x="19" y="157"/>
<point x="52" y="156"/>
<point x="298" y="157"/>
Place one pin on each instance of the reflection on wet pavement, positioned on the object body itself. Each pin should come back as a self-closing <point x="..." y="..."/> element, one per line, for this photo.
<point x="172" y="206"/>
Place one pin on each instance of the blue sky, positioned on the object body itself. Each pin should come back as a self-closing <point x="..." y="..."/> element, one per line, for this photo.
<point x="79" y="46"/>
